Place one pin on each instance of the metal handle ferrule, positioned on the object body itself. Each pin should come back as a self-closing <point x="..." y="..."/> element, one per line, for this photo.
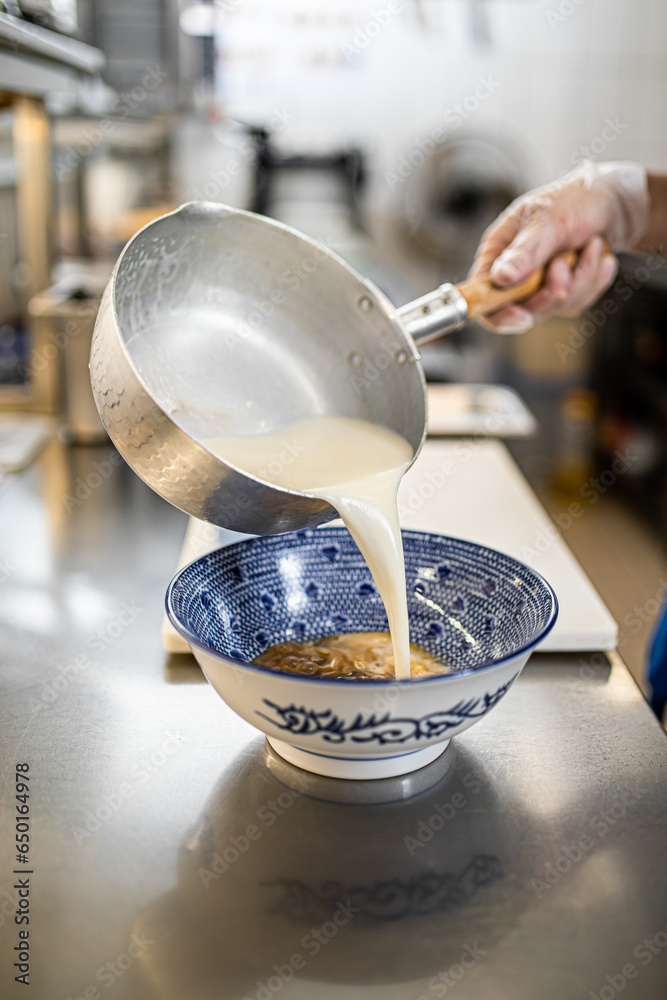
<point x="434" y="315"/>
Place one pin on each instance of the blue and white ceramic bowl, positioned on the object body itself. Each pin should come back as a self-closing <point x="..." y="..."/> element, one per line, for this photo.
<point x="479" y="610"/>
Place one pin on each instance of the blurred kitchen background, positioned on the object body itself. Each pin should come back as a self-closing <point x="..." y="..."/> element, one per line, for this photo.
<point x="394" y="131"/>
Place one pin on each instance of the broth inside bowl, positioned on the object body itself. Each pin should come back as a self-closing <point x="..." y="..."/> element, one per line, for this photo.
<point x="355" y="655"/>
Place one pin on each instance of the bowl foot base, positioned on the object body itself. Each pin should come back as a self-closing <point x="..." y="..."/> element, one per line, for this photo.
<point x="356" y="769"/>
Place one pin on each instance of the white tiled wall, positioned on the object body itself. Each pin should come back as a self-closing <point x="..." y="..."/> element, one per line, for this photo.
<point x="558" y="83"/>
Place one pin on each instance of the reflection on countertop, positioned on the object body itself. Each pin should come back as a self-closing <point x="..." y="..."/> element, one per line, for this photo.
<point x="274" y="877"/>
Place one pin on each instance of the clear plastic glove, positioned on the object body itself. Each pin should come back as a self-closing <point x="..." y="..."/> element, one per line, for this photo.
<point x="593" y="203"/>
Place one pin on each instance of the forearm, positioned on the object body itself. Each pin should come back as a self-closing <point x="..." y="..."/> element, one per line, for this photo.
<point x="655" y="238"/>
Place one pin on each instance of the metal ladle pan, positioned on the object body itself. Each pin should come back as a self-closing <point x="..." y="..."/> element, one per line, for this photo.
<point x="219" y="322"/>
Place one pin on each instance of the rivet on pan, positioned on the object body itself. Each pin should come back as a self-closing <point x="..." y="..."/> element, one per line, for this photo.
<point x="365" y="304"/>
<point x="426" y="310"/>
<point x="354" y="360"/>
<point x="401" y="357"/>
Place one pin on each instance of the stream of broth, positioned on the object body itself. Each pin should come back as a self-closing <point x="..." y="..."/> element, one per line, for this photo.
<point x="355" y="466"/>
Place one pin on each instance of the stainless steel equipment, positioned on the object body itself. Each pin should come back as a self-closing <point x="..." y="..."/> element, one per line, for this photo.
<point x="219" y="322"/>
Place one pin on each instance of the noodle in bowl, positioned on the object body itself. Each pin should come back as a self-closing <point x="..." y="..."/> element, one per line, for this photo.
<point x="477" y="610"/>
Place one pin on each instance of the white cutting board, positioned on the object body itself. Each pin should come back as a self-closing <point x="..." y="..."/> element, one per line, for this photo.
<point x="459" y="409"/>
<point x="473" y="489"/>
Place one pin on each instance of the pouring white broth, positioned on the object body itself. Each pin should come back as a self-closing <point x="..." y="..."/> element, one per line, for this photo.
<point x="357" y="467"/>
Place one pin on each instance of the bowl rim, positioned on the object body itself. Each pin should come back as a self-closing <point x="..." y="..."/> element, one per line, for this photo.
<point x="194" y="640"/>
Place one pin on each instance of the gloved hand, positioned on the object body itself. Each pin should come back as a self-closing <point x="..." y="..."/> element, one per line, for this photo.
<point x="593" y="202"/>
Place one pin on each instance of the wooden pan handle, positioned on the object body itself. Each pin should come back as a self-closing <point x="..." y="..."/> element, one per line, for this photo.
<point x="484" y="298"/>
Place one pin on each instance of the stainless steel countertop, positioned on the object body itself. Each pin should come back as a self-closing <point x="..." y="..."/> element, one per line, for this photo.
<point x="168" y="860"/>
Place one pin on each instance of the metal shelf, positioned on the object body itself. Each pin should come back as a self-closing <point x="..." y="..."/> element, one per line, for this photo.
<point x="23" y="36"/>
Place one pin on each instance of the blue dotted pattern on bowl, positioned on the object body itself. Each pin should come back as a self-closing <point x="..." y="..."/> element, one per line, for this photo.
<point x="468" y="605"/>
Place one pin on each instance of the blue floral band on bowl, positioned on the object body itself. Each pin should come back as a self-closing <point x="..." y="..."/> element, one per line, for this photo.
<point x="469" y="605"/>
